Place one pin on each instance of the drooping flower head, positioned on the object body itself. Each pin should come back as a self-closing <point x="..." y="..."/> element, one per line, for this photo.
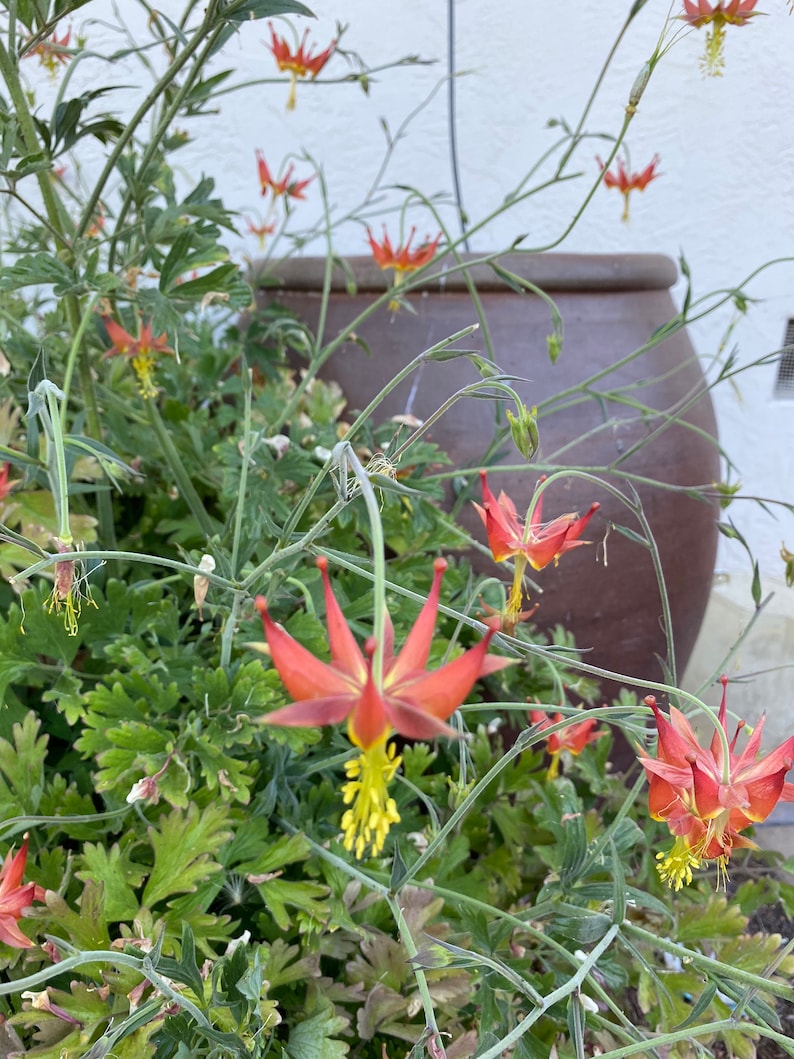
<point x="142" y="352"/>
<point x="287" y="186"/>
<point x="533" y="543"/>
<point x="699" y="13"/>
<point x="626" y="181"/>
<point x="70" y="589"/>
<point x="261" y="230"/>
<point x="574" y="738"/>
<point x="15" y="897"/>
<point x="300" y="63"/>
<point x="788" y="563"/>
<point x="402" y="258"/>
<point x="707" y="798"/>
<point x="5" y="482"/>
<point x="52" y="53"/>
<point x="408" y="699"/>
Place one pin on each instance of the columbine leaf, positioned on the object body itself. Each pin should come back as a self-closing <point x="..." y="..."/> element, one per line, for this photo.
<point x="307" y="897"/>
<point x="41" y="268"/>
<point x="23" y="763"/>
<point x="185" y="969"/>
<point x="118" y="873"/>
<point x="249" y="10"/>
<point x="183" y="850"/>
<point x="313" y="1038"/>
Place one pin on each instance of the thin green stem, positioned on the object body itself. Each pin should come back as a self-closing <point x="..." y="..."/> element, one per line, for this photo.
<point x="181" y="477"/>
<point x="132" y="557"/>
<point x="88" y="390"/>
<point x="239" y="512"/>
<point x="574" y="983"/>
<point x="363" y="417"/>
<point x="230" y="627"/>
<point x="164" y="122"/>
<point x="27" y="127"/>
<point x="329" y="260"/>
<point x="524" y="740"/>
<point x="131" y="127"/>
<point x="341" y="863"/>
<point x="301" y="545"/>
<point x="73" y="355"/>
<point x="346" y="454"/>
<point x="16" y="824"/>
<point x="594" y="850"/>
<point x="576" y="134"/>
<point x="662" y="1041"/>
<point x="57" y="219"/>
<point x="142" y="965"/>
<point x="706" y="963"/>
<point x="421" y="979"/>
<point x="59" y="480"/>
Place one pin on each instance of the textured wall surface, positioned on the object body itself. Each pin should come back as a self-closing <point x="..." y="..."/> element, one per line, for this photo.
<point x="726" y="147"/>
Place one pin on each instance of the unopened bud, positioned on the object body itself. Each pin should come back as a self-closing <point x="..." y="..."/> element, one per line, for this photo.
<point x="524" y="431"/>
<point x="201" y="583"/>
<point x="788" y="559"/>
<point x="639" y="86"/>
<point x="279" y="443"/>
<point x="145" y="790"/>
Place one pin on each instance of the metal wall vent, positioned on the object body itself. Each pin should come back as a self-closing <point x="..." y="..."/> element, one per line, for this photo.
<point x="784" y="384"/>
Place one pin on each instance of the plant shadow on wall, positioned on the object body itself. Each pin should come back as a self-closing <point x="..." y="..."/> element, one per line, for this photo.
<point x="290" y="763"/>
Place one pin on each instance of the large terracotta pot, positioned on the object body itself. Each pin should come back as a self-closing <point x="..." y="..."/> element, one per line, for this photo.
<point x="610" y="304"/>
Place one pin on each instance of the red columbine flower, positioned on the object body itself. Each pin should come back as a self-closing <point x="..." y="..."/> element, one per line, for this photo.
<point x="627" y="182"/>
<point x="410" y="700"/>
<point x="286" y="186"/>
<point x="69" y="589"/>
<point x="16" y="897"/>
<point x="704" y="799"/>
<point x="301" y="63"/>
<point x="52" y="52"/>
<point x="574" y="738"/>
<point x="142" y="352"/>
<point x="700" y="13"/>
<point x="261" y="231"/>
<point x="5" y="484"/>
<point x="402" y="259"/>
<point x="533" y="543"/>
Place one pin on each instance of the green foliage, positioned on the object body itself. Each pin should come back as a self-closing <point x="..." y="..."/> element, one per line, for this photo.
<point x="193" y="897"/>
<point x="183" y="845"/>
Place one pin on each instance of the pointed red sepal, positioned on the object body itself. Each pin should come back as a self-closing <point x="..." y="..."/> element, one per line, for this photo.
<point x="303" y="675"/>
<point x="416" y="649"/>
<point x="311" y="713"/>
<point x="443" y="690"/>
<point x="368" y="723"/>
<point x="345" y="652"/>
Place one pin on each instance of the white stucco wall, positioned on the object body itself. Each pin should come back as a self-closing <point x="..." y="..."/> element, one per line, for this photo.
<point x="726" y="147"/>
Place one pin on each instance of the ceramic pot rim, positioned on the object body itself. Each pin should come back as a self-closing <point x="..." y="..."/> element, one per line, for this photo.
<point x="550" y="272"/>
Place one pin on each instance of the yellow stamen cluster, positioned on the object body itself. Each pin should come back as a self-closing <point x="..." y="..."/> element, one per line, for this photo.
<point x="67" y="596"/>
<point x="676" y="866"/>
<point x="516" y="597"/>
<point x="713" y="62"/>
<point x="553" y="770"/>
<point x="143" y="365"/>
<point x="366" y="824"/>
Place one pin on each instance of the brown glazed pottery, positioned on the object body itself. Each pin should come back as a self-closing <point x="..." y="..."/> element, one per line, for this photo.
<point x="605" y="593"/>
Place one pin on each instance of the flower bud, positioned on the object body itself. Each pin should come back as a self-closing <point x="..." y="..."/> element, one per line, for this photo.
<point x="202" y="583"/>
<point x="788" y="559"/>
<point x="639" y="86"/>
<point x="524" y="431"/>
